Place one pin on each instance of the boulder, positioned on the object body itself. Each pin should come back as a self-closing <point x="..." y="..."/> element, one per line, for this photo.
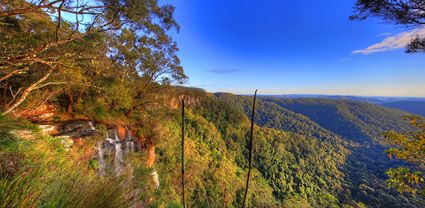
<point x="78" y="129"/>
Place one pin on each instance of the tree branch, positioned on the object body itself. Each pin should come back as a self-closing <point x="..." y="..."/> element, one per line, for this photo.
<point x="59" y="19"/>
<point x="49" y="83"/>
<point x="27" y="91"/>
<point x="10" y="74"/>
<point x="28" y="10"/>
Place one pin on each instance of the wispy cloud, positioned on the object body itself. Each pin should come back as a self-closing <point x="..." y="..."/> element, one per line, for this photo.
<point x="222" y="71"/>
<point x="391" y="43"/>
<point x="343" y="60"/>
<point x="385" y="34"/>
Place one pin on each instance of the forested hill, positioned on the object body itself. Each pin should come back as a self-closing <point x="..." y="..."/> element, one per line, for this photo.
<point x="299" y="159"/>
<point x="350" y="119"/>
<point x="271" y="115"/>
<point x="354" y="125"/>
<point x="416" y="107"/>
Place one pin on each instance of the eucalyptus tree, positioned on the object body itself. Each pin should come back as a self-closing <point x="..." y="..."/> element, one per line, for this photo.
<point x="45" y="41"/>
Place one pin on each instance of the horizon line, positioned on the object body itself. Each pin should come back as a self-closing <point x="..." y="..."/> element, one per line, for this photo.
<point x="321" y="94"/>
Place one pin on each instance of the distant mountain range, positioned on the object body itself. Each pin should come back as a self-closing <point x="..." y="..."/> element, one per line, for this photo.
<point x="415" y="105"/>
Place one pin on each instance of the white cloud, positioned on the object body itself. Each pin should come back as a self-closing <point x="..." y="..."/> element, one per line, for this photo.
<point x="391" y="43"/>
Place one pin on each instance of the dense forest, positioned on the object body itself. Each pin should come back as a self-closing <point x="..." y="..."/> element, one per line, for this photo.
<point x="90" y="103"/>
<point x="416" y="107"/>
<point x="297" y="164"/>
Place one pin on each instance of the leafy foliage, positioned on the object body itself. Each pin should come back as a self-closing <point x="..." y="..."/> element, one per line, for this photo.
<point x="406" y="12"/>
<point x="122" y="55"/>
<point x="409" y="147"/>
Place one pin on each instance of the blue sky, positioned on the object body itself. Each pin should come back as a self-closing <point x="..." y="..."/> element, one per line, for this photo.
<point x="285" y="47"/>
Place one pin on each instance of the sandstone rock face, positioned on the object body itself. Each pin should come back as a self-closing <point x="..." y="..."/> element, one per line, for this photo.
<point x="151" y="156"/>
<point x="49" y="129"/>
<point x="42" y="113"/>
<point x="70" y="132"/>
<point x="78" y="129"/>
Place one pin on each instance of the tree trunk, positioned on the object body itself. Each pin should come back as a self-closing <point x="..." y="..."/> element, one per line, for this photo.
<point x="70" y="101"/>
<point x="8" y="75"/>
<point x="27" y="91"/>
<point x="80" y="95"/>
<point x="69" y="108"/>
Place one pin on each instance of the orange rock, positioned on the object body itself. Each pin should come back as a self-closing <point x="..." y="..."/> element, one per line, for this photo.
<point x="79" y="141"/>
<point x="151" y="156"/>
<point x="88" y="154"/>
<point x="121" y="132"/>
<point x="43" y="112"/>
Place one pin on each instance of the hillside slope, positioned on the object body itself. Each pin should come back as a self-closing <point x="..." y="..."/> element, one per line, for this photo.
<point x="354" y="125"/>
<point x="350" y="119"/>
<point x="415" y="107"/>
<point x="300" y="160"/>
<point x="291" y="163"/>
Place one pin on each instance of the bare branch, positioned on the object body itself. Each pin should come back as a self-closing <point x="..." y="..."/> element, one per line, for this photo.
<point x="49" y="83"/>
<point x="10" y="74"/>
<point x="28" y="10"/>
<point x="27" y="91"/>
<point x="13" y="94"/>
<point x="59" y="19"/>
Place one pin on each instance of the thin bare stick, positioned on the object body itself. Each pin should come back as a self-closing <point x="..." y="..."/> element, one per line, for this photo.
<point x="77" y="22"/>
<point x="183" y="199"/>
<point x="250" y="151"/>
<point x="54" y="93"/>
<point x="13" y="94"/>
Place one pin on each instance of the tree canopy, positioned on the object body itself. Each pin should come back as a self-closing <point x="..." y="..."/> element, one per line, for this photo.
<point x="403" y="12"/>
<point x="76" y="43"/>
<point x="410" y="147"/>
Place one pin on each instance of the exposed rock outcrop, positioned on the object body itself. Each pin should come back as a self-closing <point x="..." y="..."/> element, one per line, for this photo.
<point x="42" y="113"/>
<point x="77" y="129"/>
<point x="112" y="151"/>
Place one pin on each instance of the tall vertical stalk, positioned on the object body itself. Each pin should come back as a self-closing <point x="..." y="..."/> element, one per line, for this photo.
<point x="250" y="150"/>
<point x="183" y="199"/>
